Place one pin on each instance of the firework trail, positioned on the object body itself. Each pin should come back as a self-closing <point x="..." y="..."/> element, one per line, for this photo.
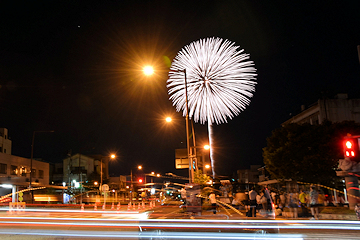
<point x="220" y="82"/>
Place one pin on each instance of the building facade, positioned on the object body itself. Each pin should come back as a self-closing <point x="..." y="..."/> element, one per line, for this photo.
<point x="249" y="175"/>
<point x="338" y="109"/>
<point x="5" y="142"/>
<point x="16" y="171"/>
<point x="82" y="168"/>
<point x="77" y="167"/>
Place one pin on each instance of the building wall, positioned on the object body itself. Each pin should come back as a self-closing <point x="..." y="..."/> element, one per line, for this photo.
<point x="338" y="110"/>
<point x="71" y="167"/>
<point x="16" y="170"/>
<point x="249" y="175"/>
<point x="5" y="142"/>
<point x="335" y="110"/>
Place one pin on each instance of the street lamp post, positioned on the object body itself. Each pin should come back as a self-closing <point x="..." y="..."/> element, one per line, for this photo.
<point x="193" y="155"/>
<point x="139" y="167"/>
<point x="148" y="70"/>
<point x="112" y="156"/>
<point x="191" y="170"/>
<point x="31" y="161"/>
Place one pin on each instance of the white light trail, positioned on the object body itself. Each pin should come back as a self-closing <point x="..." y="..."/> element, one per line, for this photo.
<point x="154" y="235"/>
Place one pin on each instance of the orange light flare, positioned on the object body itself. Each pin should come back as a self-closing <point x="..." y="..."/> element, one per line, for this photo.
<point x="148" y="70"/>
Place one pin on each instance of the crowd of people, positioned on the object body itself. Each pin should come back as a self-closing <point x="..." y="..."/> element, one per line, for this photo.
<point x="302" y="203"/>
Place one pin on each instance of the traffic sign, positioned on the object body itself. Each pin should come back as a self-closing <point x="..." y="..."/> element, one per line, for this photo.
<point x="104" y="187"/>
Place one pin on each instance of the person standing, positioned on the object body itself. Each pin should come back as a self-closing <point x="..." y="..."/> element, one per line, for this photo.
<point x="253" y="203"/>
<point x="212" y="198"/>
<point x="314" y="202"/>
<point x="303" y="202"/>
<point x="293" y="204"/>
<point x="357" y="211"/>
<point x="282" y="200"/>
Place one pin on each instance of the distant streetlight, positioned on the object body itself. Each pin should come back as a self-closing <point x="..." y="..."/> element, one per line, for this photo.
<point x="206" y="147"/>
<point x="139" y="167"/>
<point x="31" y="160"/>
<point x="168" y="119"/>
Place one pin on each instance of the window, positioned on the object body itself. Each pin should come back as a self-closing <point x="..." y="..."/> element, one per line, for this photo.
<point x="3" y="168"/>
<point x="33" y="173"/>
<point x="41" y="173"/>
<point x="13" y="170"/>
<point x="23" y="171"/>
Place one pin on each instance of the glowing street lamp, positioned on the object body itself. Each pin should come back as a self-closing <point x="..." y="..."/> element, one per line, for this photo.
<point x="168" y="119"/>
<point x="148" y="70"/>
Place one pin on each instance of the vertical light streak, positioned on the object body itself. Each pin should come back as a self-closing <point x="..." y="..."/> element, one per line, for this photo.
<point x="211" y="151"/>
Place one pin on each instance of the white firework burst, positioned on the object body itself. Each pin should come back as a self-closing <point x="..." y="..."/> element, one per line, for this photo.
<point x="220" y="82"/>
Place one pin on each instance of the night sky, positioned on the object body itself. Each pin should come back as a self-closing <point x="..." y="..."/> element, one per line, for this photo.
<point x="75" y="67"/>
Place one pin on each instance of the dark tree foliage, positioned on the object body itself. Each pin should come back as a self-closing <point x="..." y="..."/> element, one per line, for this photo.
<point x="305" y="152"/>
<point x="94" y="176"/>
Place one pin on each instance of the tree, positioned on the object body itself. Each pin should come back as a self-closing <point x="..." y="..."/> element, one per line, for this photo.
<point x="201" y="178"/>
<point x="94" y="176"/>
<point x="307" y="152"/>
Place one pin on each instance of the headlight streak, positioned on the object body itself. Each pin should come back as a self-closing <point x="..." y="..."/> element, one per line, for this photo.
<point x="200" y="224"/>
<point x="70" y="211"/>
<point x="162" y="235"/>
<point x="133" y="214"/>
<point x="126" y="213"/>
